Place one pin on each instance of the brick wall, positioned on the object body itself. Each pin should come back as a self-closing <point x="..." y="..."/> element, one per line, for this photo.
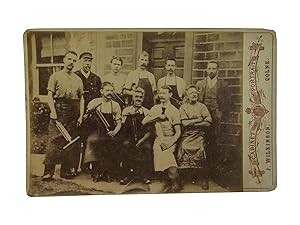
<point x="112" y="43"/>
<point x="226" y="48"/>
<point x="122" y="44"/>
<point x="82" y="42"/>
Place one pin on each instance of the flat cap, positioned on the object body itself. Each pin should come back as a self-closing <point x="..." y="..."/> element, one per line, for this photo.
<point x="87" y="55"/>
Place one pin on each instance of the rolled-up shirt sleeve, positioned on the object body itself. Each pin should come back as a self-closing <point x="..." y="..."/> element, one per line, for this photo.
<point x="183" y="114"/>
<point x="129" y="81"/>
<point x="117" y="112"/>
<point x="52" y="83"/>
<point x="80" y="89"/>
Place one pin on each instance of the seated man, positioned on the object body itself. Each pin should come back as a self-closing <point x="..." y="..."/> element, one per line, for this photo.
<point x="166" y="119"/>
<point x="194" y="118"/>
<point x="137" y="144"/>
<point x="101" y="145"/>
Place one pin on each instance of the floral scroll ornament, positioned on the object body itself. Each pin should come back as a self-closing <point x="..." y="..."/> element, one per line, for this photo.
<point x="257" y="110"/>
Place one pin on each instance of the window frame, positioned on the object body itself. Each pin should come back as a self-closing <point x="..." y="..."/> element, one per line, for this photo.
<point x="36" y="66"/>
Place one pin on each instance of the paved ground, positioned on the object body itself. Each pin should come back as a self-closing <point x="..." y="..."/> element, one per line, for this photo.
<point x="84" y="185"/>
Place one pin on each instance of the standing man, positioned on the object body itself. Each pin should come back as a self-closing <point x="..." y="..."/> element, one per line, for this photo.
<point x="66" y="103"/>
<point x="142" y="78"/>
<point x="166" y="119"/>
<point x="115" y="77"/>
<point x="176" y="83"/>
<point x="102" y="143"/>
<point x="137" y="144"/>
<point x="91" y="81"/>
<point x="192" y="148"/>
<point x="91" y="89"/>
<point x="214" y="93"/>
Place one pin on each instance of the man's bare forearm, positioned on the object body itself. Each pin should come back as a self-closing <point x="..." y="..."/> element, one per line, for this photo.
<point x="81" y="106"/>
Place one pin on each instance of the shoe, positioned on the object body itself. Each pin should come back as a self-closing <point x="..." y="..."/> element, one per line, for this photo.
<point x="74" y="172"/>
<point x="46" y="177"/>
<point x="97" y="177"/>
<point x="147" y="181"/>
<point x="67" y="175"/>
<point x="205" y="185"/>
<point x="176" y="187"/>
<point x="125" y="180"/>
<point x="108" y="178"/>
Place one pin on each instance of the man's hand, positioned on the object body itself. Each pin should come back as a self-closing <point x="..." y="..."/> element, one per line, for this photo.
<point x="53" y="115"/>
<point x="79" y="121"/>
<point x="139" y="143"/>
<point x="162" y="117"/>
<point x="166" y="143"/>
<point x="112" y="133"/>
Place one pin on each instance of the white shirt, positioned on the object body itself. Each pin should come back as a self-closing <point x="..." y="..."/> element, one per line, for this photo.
<point x="212" y="82"/>
<point x="85" y="74"/>
<point x="180" y="84"/>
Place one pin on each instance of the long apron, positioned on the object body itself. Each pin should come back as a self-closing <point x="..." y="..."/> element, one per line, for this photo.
<point x="163" y="159"/>
<point x="137" y="158"/>
<point x="102" y="148"/>
<point x="174" y="93"/>
<point x="97" y="138"/>
<point x="67" y="113"/>
<point x="191" y="153"/>
<point x="149" y="96"/>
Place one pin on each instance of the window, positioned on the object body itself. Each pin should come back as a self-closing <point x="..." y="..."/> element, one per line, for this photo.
<point x="50" y="49"/>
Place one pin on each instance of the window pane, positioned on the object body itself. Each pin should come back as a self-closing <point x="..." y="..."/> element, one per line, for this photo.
<point x="179" y="52"/>
<point x="44" y="74"/>
<point x="58" y="68"/>
<point x="59" y="46"/>
<point x="157" y="53"/>
<point x="43" y="47"/>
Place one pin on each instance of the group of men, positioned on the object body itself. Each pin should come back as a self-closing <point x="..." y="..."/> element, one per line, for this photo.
<point x="131" y="125"/>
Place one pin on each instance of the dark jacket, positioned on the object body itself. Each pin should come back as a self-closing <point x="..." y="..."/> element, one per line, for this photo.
<point x="223" y="94"/>
<point x="91" y="86"/>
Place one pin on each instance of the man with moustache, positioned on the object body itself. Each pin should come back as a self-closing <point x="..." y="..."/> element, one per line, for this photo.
<point x="137" y="144"/>
<point x="142" y="78"/>
<point x="91" y="88"/>
<point x="214" y="93"/>
<point x="192" y="147"/>
<point x="166" y="119"/>
<point x="66" y="103"/>
<point x="91" y="81"/>
<point x="176" y="83"/>
<point x="101" y="145"/>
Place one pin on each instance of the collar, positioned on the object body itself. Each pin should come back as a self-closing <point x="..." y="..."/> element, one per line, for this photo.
<point x="166" y="106"/>
<point x="141" y="110"/>
<point x="85" y="74"/>
<point x="212" y="82"/>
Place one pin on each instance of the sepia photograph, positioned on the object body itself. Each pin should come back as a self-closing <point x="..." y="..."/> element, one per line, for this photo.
<point x="124" y="111"/>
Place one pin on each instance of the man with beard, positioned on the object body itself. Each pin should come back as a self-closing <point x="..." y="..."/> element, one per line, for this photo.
<point x="91" y="81"/>
<point x="166" y="119"/>
<point x="91" y="87"/>
<point x="142" y="78"/>
<point x="192" y="148"/>
<point x="214" y="93"/>
<point x="176" y="83"/>
<point x="101" y="145"/>
<point x="66" y="103"/>
<point x="137" y="144"/>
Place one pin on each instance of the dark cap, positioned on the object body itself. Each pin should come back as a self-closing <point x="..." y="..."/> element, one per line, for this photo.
<point x="87" y="55"/>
